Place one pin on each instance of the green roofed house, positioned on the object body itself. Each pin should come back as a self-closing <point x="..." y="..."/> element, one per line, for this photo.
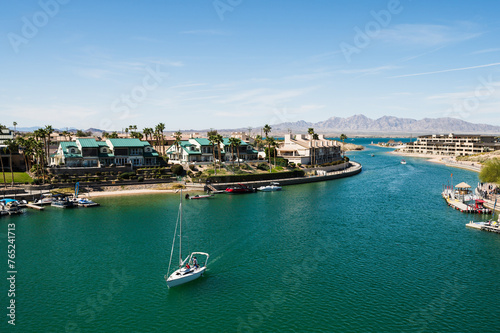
<point x="85" y="152"/>
<point x="201" y="150"/>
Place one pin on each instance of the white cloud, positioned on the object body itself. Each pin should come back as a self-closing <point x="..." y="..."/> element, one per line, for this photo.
<point x="427" y="35"/>
<point x="448" y="70"/>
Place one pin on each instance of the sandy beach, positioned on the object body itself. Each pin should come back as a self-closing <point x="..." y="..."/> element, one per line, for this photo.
<point x="136" y="190"/>
<point x="446" y="160"/>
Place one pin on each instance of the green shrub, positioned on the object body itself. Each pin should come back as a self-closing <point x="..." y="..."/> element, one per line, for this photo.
<point x="263" y="166"/>
<point x="140" y="179"/>
<point x="126" y="175"/>
<point x="177" y="170"/>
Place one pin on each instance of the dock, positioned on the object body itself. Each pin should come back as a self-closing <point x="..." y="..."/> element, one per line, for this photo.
<point x="464" y="208"/>
<point x="484" y="227"/>
<point x="35" y="206"/>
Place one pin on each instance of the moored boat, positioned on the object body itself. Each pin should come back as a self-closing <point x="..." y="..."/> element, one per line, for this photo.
<point x="197" y="196"/>
<point x="45" y="199"/>
<point x="83" y="202"/>
<point x="239" y="189"/>
<point x="61" y="201"/>
<point x="189" y="268"/>
<point x="269" y="188"/>
<point x="403" y="161"/>
<point x="10" y="207"/>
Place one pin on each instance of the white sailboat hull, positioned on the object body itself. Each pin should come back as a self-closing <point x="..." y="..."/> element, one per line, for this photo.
<point x="183" y="275"/>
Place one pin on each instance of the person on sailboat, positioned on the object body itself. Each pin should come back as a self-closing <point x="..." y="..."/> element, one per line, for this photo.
<point x="187" y="266"/>
<point x="195" y="262"/>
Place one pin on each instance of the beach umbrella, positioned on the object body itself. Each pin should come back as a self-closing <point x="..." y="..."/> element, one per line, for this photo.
<point x="462" y="185"/>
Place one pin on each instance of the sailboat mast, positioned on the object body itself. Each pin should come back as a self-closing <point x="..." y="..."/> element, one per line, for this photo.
<point x="180" y="232"/>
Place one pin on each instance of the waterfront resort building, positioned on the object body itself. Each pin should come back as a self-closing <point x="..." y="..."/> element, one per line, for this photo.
<point x="452" y="144"/>
<point x="303" y="149"/>
<point x="6" y="134"/>
<point x="201" y="150"/>
<point x="85" y="152"/>
<point x="17" y="159"/>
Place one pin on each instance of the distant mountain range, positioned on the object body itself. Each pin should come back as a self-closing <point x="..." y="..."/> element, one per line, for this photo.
<point x="360" y="124"/>
<point x="355" y="125"/>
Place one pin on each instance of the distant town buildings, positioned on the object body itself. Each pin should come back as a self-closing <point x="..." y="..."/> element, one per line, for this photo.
<point x="452" y="144"/>
<point x="303" y="149"/>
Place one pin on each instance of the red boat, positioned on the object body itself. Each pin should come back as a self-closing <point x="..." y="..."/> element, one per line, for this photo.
<point x="240" y="188"/>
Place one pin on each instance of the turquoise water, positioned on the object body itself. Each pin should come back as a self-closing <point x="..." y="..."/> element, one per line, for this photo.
<point x="377" y="252"/>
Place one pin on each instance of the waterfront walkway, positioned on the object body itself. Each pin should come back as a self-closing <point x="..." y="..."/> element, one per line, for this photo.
<point x="352" y="170"/>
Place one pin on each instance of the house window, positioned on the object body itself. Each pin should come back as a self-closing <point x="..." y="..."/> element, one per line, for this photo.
<point x="135" y="151"/>
<point x="73" y="151"/>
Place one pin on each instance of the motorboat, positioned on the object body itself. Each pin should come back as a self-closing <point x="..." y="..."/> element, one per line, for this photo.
<point x="197" y="196"/>
<point x="10" y="207"/>
<point x="403" y="161"/>
<point x="269" y="188"/>
<point x="61" y="201"/>
<point x="239" y="189"/>
<point x="189" y="269"/>
<point x="45" y="199"/>
<point x="84" y="202"/>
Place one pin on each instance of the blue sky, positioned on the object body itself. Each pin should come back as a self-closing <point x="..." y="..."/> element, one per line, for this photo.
<point x="243" y="63"/>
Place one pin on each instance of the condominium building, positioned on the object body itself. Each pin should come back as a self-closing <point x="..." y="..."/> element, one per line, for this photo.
<point x="304" y="149"/>
<point x="452" y="144"/>
<point x="86" y="152"/>
<point x="201" y="150"/>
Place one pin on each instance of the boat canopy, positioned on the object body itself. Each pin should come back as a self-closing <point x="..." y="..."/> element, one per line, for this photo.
<point x="462" y="185"/>
<point x="5" y="201"/>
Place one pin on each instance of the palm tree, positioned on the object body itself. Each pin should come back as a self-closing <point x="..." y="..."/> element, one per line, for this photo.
<point x="148" y="132"/>
<point x="343" y="137"/>
<point x="3" y="170"/>
<point x="15" y="124"/>
<point x="177" y="143"/>
<point x="310" y="131"/>
<point x="22" y="142"/>
<point x="49" y="130"/>
<point x="160" y="128"/>
<point x="67" y="134"/>
<point x="220" y="140"/>
<point x="232" y="144"/>
<point x="271" y="142"/>
<point x="126" y="131"/>
<point x="238" y="143"/>
<point x="29" y="151"/>
<point x="212" y="139"/>
<point x="258" y="141"/>
<point x="11" y="145"/>
<point x="267" y="130"/>
<point x="315" y="137"/>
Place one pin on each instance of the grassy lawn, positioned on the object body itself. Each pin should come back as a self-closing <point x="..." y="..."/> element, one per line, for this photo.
<point x="19" y="177"/>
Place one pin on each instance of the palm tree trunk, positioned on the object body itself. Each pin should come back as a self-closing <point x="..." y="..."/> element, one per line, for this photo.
<point x="3" y="171"/>
<point x="11" y="170"/>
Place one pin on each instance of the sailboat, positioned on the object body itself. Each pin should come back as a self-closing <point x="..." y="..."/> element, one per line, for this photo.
<point x="189" y="268"/>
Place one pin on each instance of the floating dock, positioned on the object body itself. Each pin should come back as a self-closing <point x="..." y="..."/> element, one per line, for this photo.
<point x="35" y="206"/>
<point x="464" y="208"/>
<point x="483" y="226"/>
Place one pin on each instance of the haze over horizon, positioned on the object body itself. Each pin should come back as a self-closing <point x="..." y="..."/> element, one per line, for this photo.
<point x="233" y="64"/>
